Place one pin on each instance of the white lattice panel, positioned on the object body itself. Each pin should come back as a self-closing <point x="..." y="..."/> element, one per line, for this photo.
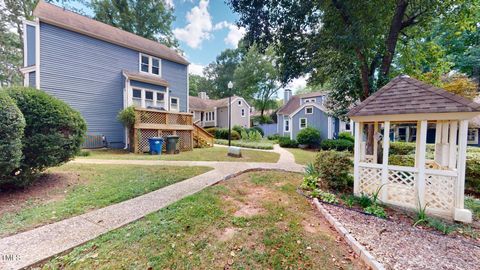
<point x="143" y="135"/>
<point x="370" y="179"/>
<point x="440" y="192"/>
<point x="400" y="187"/>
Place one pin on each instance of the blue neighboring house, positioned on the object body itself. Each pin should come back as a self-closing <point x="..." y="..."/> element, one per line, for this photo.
<point x="99" y="69"/>
<point x="307" y="110"/>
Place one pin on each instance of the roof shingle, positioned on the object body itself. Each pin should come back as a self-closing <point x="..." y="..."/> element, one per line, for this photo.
<point x="60" y="17"/>
<point x="405" y="95"/>
<point x="294" y="102"/>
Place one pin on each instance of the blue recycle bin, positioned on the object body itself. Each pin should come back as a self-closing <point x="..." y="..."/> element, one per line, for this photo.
<point x="156" y="144"/>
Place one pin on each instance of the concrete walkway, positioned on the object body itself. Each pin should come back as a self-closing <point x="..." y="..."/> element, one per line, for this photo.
<point x="30" y="247"/>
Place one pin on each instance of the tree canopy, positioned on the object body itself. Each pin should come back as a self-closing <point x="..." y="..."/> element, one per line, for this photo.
<point x="349" y="44"/>
<point x="146" y="18"/>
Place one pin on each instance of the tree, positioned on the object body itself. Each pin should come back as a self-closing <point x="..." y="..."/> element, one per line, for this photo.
<point x="461" y="85"/>
<point x="258" y="79"/>
<point x="221" y="71"/>
<point x="198" y="84"/>
<point x="350" y="44"/>
<point x="146" y="18"/>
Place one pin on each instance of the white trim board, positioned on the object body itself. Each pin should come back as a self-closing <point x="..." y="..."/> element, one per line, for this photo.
<point x="37" y="54"/>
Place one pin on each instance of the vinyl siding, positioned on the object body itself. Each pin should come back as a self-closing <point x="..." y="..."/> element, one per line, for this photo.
<point x="87" y="74"/>
<point x="147" y="86"/>
<point x="31" y="79"/>
<point x="30" y="32"/>
<point x="237" y="118"/>
<point x="318" y="120"/>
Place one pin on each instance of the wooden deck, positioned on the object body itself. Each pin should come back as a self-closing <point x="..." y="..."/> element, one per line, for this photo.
<point x="154" y="123"/>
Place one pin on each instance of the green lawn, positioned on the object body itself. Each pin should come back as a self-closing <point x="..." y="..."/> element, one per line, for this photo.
<point x="263" y="144"/>
<point x="198" y="154"/>
<point x="303" y="157"/>
<point x="254" y="221"/>
<point x="90" y="187"/>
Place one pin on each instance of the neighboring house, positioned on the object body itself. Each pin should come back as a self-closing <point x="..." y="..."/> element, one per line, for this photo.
<point x="99" y="69"/>
<point x="214" y="112"/>
<point x="307" y="110"/>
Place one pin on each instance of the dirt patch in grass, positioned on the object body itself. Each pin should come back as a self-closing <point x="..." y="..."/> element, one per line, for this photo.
<point x="49" y="187"/>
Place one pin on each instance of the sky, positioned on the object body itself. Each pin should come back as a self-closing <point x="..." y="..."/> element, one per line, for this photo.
<point x="204" y="28"/>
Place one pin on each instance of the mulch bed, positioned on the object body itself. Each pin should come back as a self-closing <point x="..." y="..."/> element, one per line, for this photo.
<point x="398" y="245"/>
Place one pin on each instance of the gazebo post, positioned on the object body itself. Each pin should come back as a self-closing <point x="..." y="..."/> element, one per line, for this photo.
<point x="356" y="170"/>
<point x="420" y="162"/>
<point x="375" y="142"/>
<point x="386" y="146"/>
<point x="461" y="214"/>
<point x="452" y="153"/>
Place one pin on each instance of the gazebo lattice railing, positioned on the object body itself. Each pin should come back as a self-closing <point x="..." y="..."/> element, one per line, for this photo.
<point x="435" y="184"/>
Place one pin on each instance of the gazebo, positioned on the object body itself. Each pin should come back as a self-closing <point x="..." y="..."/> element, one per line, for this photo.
<point x="436" y="180"/>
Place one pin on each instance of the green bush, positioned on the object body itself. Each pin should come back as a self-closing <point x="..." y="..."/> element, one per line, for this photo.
<point x="53" y="134"/>
<point x="265" y="119"/>
<point x="402" y="148"/>
<point x="334" y="168"/>
<point x="12" y="125"/>
<point x="346" y="136"/>
<point x="222" y="133"/>
<point x="309" y="136"/>
<point x="211" y="130"/>
<point x="127" y="117"/>
<point x="287" y="142"/>
<point x="251" y="135"/>
<point x="274" y="137"/>
<point x="376" y="210"/>
<point x="238" y="128"/>
<point x="259" y="129"/>
<point x="402" y="160"/>
<point x="339" y="145"/>
<point x="472" y="173"/>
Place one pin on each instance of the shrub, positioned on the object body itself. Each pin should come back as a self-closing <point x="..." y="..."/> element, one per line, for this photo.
<point x="222" y="133"/>
<point x="53" y="134"/>
<point x="402" y="148"/>
<point x="472" y="173"/>
<point x="238" y="129"/>
<point x="211" y="130"/>
<point x="339" y="145"/>
<point x="127" y="117"/>
<point x="251" y="135"/>
<point x="376" y="210"/>
<point x="12" y="125"/>
<point x="265" y="119"/>
<point x="399" y="160"/>
<point x="346" y="136"/>
<point x="334" y="168"/>
<point x="259" y="129"/>
<point x="287" y="142"/>
<point x="274" y="137"/>
<point x="309" y="136"/>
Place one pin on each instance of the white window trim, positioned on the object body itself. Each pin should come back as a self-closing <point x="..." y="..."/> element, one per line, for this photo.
<point x="300" y="123"/>
<point x="178" y="104"/>
<point x="306" y="109"/>
<point x="310" y="100"/>
<point x="143" y="96"/>
<point x="239" y="102"/>
<point x="150" y="64"/>
<point x="285" y="125"/>
<point x="475" y="141"/>
<point x="243" y="113"/>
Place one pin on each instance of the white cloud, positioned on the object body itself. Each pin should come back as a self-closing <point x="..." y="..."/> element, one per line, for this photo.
<point x="234" y="35"/>
<point x="169" y="3"/>
<point x="297" y="83"/>
<point x="196" y="69"/>
<point x="198" y="28"/>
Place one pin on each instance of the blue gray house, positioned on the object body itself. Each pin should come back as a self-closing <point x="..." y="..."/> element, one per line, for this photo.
<point x="307" y="110"/>
<point x="99" y="69"/>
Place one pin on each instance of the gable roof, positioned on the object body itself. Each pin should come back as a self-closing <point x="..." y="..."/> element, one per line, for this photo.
<point x="200" y="104"/>
<point x="405" y="95"/>
<point x="294" y="102"/>
<point x="72" y="21"/>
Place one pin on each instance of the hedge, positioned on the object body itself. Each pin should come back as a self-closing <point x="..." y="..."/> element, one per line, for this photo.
<point x="12" y="125"/>
<point x="334" y="168"/>
<point x="339" y="145"/>
<point x="287" y="142"/>
<point x="309" y="136"/>
<point x="53" y="134"/>
<point x="222" y="133"/>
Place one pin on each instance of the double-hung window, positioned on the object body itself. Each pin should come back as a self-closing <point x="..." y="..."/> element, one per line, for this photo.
<point x="472" y="137"/>
<point x="303" y="123"/>
<point x="174" y="104"/>
<point x="148" y="99"/>
<point x="243" y="113"/>
<point x="150" y="64"/>
<point x="137" y="97"/>
<point x="145" y="98"/>
<point x="286" y="125"/>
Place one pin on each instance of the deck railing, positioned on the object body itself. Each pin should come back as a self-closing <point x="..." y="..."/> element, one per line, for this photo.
<point x="154" y="123"/>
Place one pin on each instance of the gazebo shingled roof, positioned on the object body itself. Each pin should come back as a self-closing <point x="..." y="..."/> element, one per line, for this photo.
<point x="405" y="95"/>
